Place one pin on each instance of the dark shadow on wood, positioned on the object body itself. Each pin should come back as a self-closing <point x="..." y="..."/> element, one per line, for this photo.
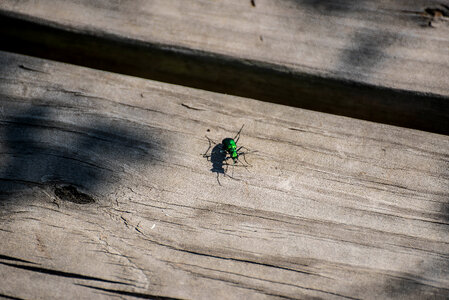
<point x="224" y="74"/>
<point x="367" y="54"/>
<point x="411" y="285"/>
<point x="65" y="160"/>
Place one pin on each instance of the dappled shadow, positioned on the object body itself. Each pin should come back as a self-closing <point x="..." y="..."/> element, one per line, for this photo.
<point x="232" y="75"/>
<point x="366" y="54"/>
<point x="328" y="6"/>
<point x="41" y="149"/>
<point x="413" y="285"/>
<point x="361" y="56"/>
<point x="366" y="47"/>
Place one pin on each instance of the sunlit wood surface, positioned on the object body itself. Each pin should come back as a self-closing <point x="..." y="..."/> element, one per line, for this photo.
<point x="385" y="61"/>
<point x="105" y="192"/>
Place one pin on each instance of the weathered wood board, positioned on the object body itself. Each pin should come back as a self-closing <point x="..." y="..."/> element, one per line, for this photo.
<point x="386" y="61"/>
<point x="104" y="192"/>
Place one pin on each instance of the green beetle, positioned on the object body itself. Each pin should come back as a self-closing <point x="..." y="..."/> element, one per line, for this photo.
<point x="228" y="149"/>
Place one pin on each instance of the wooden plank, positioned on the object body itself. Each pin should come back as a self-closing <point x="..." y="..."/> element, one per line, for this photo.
<point x="385" y="61"/>
<point x="104" y="192"/>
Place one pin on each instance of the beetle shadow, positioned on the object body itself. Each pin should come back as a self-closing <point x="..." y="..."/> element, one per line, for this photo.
<point x="217" y="157"/>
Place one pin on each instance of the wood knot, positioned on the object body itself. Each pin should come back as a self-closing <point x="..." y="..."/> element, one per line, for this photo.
<point x="437" y="12"/>
<point x="437" y="15"/>
<point x="71" y="194"/>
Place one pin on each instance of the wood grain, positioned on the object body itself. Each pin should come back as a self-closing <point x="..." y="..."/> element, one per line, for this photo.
<point x="385" y="61"/>
<point x="104" y="193"/>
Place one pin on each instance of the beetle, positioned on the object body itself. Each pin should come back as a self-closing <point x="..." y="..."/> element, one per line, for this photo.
<point x="228" y="149"/>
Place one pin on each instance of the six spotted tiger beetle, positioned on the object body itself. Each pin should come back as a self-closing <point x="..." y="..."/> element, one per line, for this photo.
<point x="225" y="151"/>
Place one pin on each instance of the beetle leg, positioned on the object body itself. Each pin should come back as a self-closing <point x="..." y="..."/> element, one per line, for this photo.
<point x="246" y="168"/>
<point x="210" y="140"/>
<point x="218" y="179"/>
<point x="210" y="145"/>
<point x="244" y="157"/>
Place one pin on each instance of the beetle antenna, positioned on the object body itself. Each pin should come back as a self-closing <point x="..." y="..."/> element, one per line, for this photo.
<point x="237" y="136"/>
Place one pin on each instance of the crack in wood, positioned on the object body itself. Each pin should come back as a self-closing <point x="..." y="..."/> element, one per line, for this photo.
<point x="60" y="273"/>
<point x="129" y="294"/>
<point x="191" y="107"/>
<point x="238" y="283"/>
<point x="32" y="69"/>
<point x="10" y="297"/>
<point x="6" y="257"/>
